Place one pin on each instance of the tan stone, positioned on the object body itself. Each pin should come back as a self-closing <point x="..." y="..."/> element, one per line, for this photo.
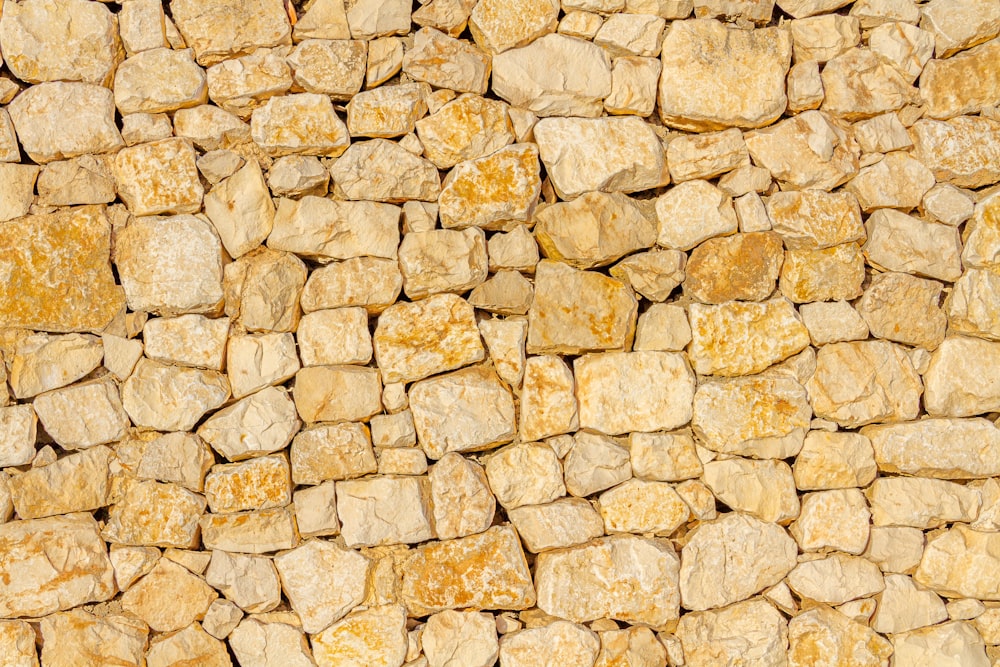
<point x="260" y="483"/>
<point x="881" y="134"/>
<point x="83" y="415"/>
<point x="159" y="80"/>
<point x="142" y="26"/>
<point x="960" y="380"/>
<point x="17" y="639"/>
<point x="324" y="229"/>
<point x="764" y="489"/>
<point x="257" y="361"/>
<point x="371" y="282"/>
<point x="959" y="563"/>
<point x="692" y="212"/>
<point x="662" y="327"/>
<point x="836" y="520"/>
<point x="191" y="643"/>
<point x="181" y="458"/>
<point x="467" y="638"/>
<point x="316" y="510"/>
<point x="330" y="452"/>
<point x="18" y="426"/>
<point x="249" y="532"/>
<point x="169" y="597"/>
<point x="642" y="507"/>
<point x="39" y="362"/>
<point x="384" y="510"/>
<point x="921" y="503"/>
<point x="249" y="581"/>
<point x="895" y="548"/>
<point x="385" y="59"/>
<point x="631" y="35"/>
<point x="368" y="18"/>
<point x="446" y="62"/>
<point x="829" y="274"/>
<point x="297" y="175"/>
<point x="822" y="38"/>
<point x="243" y="84"/>
<point x="484" y="571"/>
<point x="954" y="643"/>
<point x="825" y="636"/>
<point x="462" y="501"/>
<point x="261" y="643"/>
<point x="858" y="84"/>
<point x="959" y="24"/>
<point x="382" y="170"/>
<point x="506" y="293"/>
<point x="739" y="81"/>
<point x="557" y="643"/>
<point x="141" y="128"/>
<point x="834" y="460"/>
<point x="905" y="46"/>
<point x="896" y="181"/>
<point x="607" y="154"/>
<point x="187" y="340"/>
<point x="971" y="306"/>
<point x="899" y="242"/>
<point x="337" y="336"/>
<point x="337" y="393"/>
<point x="301" y="124"/>
<point x="238" y="27"/>
<point x="563" y="523"/>
<point x="448" y="16"/>
<point x="595" y="463"/>
<point x="170" y="398"/>
<point x="753" y="632"/>
<point x="75" y="483"/>
<point x="525" y="474"/>
<point x="159" y="177"/>
<point x="495" y="192"/>
<point x="329" y="67"/>
<point x="982" y="242"/>
<point x="83" y="180"/>
<point x="374" y="636"/>
<point x="652" y="274"/>
<point x="154" y="514"/>
<point x="814" y="220"/>
<point x="905" y="607"/>
<point x="804" y="152"/>
<point x="836" y="579"/>
<point x="388" y="111"/>
<point x="961" y="151"/>
<point x="466" y="410"/>
<point x="442" y="260"/>
<point x="548" y="404"/>
<point x="904" y="309"/>
<point x="18" y="189"/>
<point x="633" y="86"/>
<point x="466" y="128"/>
<point x="78" y="637"/>
<point x="743" y="267"/>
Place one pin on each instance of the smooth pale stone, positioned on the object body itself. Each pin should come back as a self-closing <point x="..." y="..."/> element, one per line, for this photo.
<point x="300" y="124"/>
<point x="658" y="388"/>
<point x="633" y="86"/>
<point x="731" y="558"/>
<point x="337" y="393"/>
<point x="548" y="404"/>
<point x="169" y="398"/>
<point x="752" y="632"/>
<point x="742" y="266"/>
<point x="652" y="274"/>
<point x="496" y="192"/>
<point x="986" y="623"/>
<point x="375" y="636"/>
<point x="805" y="151"/>
<point x="813" y="219"/>
<point x="190" y="644"/>
<point x="159" y="80"/>
<point x="83" y="180"/>
<point x="316" y="510"/>
<point x="859" y="84"/>
<point x="857" y="383"/>
<point x="258" y="360"/>
<point x="384" y="510"/>
<point x="9" y="149"/>
<point x="297" y="175"/>
<point x="466" y="128"/>
<point x="331" y="452"/>
<point x="159" y="177"/>
<point x="71" y="249"/>
<point x="249" y="532"/>
<point x="751" y="213"/>
<point x="18" y="430"/>
<point x="965" y="609"/>
<point x="187" y="340"/>
<point x="329" y="67"/>
<point x="634" y="645"/>
<point x="873" y="13"/>
<point x="78" y="637"/>
<point x="460" y="638"/>
<point x="951" y="644"/>
<point x="834" y="460"/>
<point x="962" y="151"/>
<point x="461" y="498"/>
<point x="905" y="46"/>
<point x="882" y="134"/>
<point x="83" y="415"/>
<point x="988" y="515"/>
<point x="833" y="322"/>
<point x="559" y="643"/>
<point x="181" y="458"/>
<point x="484" y="571"/>
<point x="394" y="430"/>
<point x="904" y="309"/>
<point x="764" y="489"/>
<point x="716" y="77"/>
<point x="577" y="311"/>
<point x="736" y="338"/>
<point x="824" y="636"/>
<point x="745" y="180"/>
<point x="899" y="242"/>
<point x="240" y="26"/>
<point x="706" y="155"/>
<point x="40" y="362"/>
<point x="385" y="59"/>
<point x="260" y="643"/>
<point x="195" y="561"/>
<point x="154" y="514"/>
<point x="961" y="380"/>
<point x="336" y="336"/>
<point x="525" y="474"/>
<point x="368" y="18"/>
<point x="402" y="461"/>
<point x="416" y="340"/>
<point x="442" y="260"/>
<point x="642" y="507"/>
<point x="260" y="483"/>
<point x="662" y="327"/>
<point x="467" y="410"/>
<point x="621" y="154"/>
<point x="623" y="577"/>
<point x="141" y="128"/>
<point x="240" y="208"/>
<point x="388" y="111"/>
<point x="836" y="579"/>
<point x="38" y="115"/>
<point x="593" y="230"/>
<point x="982" y="243"/>
<point x="243" y="84"/>
<point x="169" y="597"/>
<point x="446" y="62"/>
<point x="665" y="457"/>
<point x="692" y="212"/>
<point x="382" y="170"/>
<point x="170" y="265"/>
<point x="142" y="26"/>
<point x="895" y="548"/>
<point x="370" y="282"/>
<point x="972" y="304"/>
<point x="249" y="581"/>
<point x="830" y="274"/>
<point x="896" y="181"/>
<point x="319" y="606"/>
<point x="805" y="87"/>
<point x="832" y="520"/>
<point x="554" y="75"/>
<point x="959" y="24"/>
<point x="564" y="523"/>
<point x="904" y="607"/>
<point x="219" y="164"/>
<point x="75" y="483"/>
<point x="960" y="562"/>
<point x="18" y="189"/>
<point x="762" y="417"/>
<point x="822" y="38"/>
<point x="921" y="503"/>
<point x="595" y="463"/>
<point x="17" y="641"/>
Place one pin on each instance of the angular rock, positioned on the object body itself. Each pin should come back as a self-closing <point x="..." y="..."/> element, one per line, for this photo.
<point x="387" y="111"/>
<point x="318" y="607"/>
<point x="954" y="643"/>
<point x="384" y="510"/>
<point x="594" y="463"/>
<point x="558" y="643"/>
<point x="959" y="562"/>
<point x="169" y="398"/>
<point x="296" y="175"/>
<point x="652" y="274"/>
<point x="316" y="510"/>
<point x="858" y="84"/>
<point x="249" y="581"/>
<point x="959" y="24"/>
<point x="740" y="267"/>
<point x="921" y="503"/>
<point x="905" y="607"/>
<point x="692" y="212"/>
<point x="497" y="26"/>
<point x="329" y="67"/>
<point x="813" y="219"/>
<point x="220" y="29"/>
<point x="375" y="636"/>
<point x="753" y="632"/>
<point x="83" y="180"/>
<point x="258" y="643"/>
<point x="664" y="457"/>
<point x="336" y="393"/>
<point x="330" y="452"/>
<point x="240" y="208"/>
<point x="18" y="426"/>
<point x="75" y="483"/>
<point x="899" y="242"/>
<point x="181" y="458"/>
<point x="243" y="84"/>
<point x="834" y="461"/>
<point x="187" y="340"/>
<point x="895" y="548"/>
<point x="496" y="192"/>
<point x="836" y="520"/>
<point x="382" y="170"/>
<point x="960" y="380"/>
<point x="525" y="474"/>
<point x="896" y="181"/>
<point x="40" y="362"/>
<point x="462" y="501"/>
<point x="442" y="260"/>
<point x="836" y="579"/>
<point x="250" y="532"/>
<point x="335" y="336"/>
<point x="962" y="151"/>
<point x="905" y="46"/>
<point x="563" y="523"/>
<point x="764" y="489"/>
<point x="631" y="35"/>
<point x="804" y="152"/>
<point x="971" y="306"/>
<point x="18" y="190"/>
<point x="831" y="634"/>
<point x="301" y="124"/>
<point x="18" y="641"/>
<point x="829" y="274"/>
<point x="258" y="361"/>
<point x="78" y="637"/>
<point x="159" y="177"/>
<point x="662" y="327"/>
<point x="904" y="309"/>
<point x="361" y="281"/>
<point x="642" y="507"/>
<point x="324" y="229"/>
<point x="159" y="80"/>
<point x="83" y="415"/>
<point x="548" y="403"/>
<point x="191" y="643"/>
<point x="446" y="62"/>
<point x="169" y="597"/>
<point x="154" y="514"/>
<point x="466" y="128"/>
<point x="260" y="483"/>
<point x="470" y="638"/>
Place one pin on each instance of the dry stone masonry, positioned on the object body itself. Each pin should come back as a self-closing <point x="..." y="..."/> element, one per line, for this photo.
<point x="464" y="333"/>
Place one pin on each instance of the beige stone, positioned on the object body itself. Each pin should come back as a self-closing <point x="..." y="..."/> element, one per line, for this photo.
<point x="243" y="84"/>
<point x="442" y="260"/>
<point x="563" y="523"/>
<point x="955" y="643"/>
<point x="742" y="266"/>
<point x="159" y="177"/>
<point x="836" y="579"/>
<point x="525" y="474"/>
<point x="595" y="463"/>
<point x="384" y="510"/>
<point x="171" y="398"/>
<point x="825" y="636"/>
<point x="895" y="548"/>
<point x="631" y="35"/>
<point x="505" y="341"/>
<point x="662" y="327"/>
<point x="858" y="84"/>
<point x="624" y="577"/>
<point x="904" y="309"/>
<point x="548" y="404"/>
<point x="506" y="293"/>
<point x="331" y="452"/>
<point x="78" y="637"/>
<point x="388" y="111"/>
<point x="316" y="510"/>
<point x="905" y="607"/>
<point x="169" y="597"/>
<point x="961" y="151"/>
<point x="381" y="170"/>
<point x="834" y="460"/>
<point x="240" y="208"/>
<point x="462" y="501"/>
<point x="667" y="457"/>
<point x="239" y="26"/>
<point x="191" y="643"/>
<point x="806" y="151"/>
<point x="706" y="155"/>
<point x="905" y="46"/>
<point x="83" y="415"/>
<point x="960" y="380"/>
<point x="466" y="128"/>
<point x="959" y="24"/>
<point x="557" y="643"/>
<point x="620" y="154"/>
<point x="18" y="641"/>
<point x="633" y="86"/>
<point x="836" y="520"/>
<point x="385" y="59"/>
<point x="141" y="128"/>
<point x="180" y="458"/>
<point x="18" y="190"/>
<point x="982" y="242"/>
<point x="764" y="489"/>
<point x="260" y="643"/>
<point x="249" y="532"/>
<point x="963" y="84"/>
<point x="921" y="503"/>
<point x="154" y="514"/>
<point x="959" y="563"/>
<point x="900" y="242"/>
<point x="159" y="80"/>
<point x="83" y="180"/>
<point x="449" y="16"/>
<point x="484" y="571"/>
<point x="142" y="26"/>
<point x="18" y="426"/>
<point x="301" y="124"/>
<point x="735" y="338"/>
<point x="39" y="362"/>
<point x="499" y="26"/>
<point x="371" y="282"/>
<point x="259" y="483"/>
<point x="873" y="13"/>
<point x="642" y="507"/>
<point x="329" y="67"/>
<point x="753" y="632"/>
<point x="249" y="581"/>
<point x="692" y="212"/>
<point x="187" y="340"/>
<point x="446" y="62"/>
<point x="336" y="336"/>
<point x="652" y="274"/>
<point x="881" y="134"/>
<point x="971" y="306"/>
<point x="496" y="192"/>
<point x="814" y="220"/>
<point x="375" y="636"/>
<point x="75" y="483"/>
<point x="337" y="393"/>
<point x="897" y="181"/>
<point x="466" y="410"/>
<point x="822" y="38"/>
<point x="828" y="274"/>
<point x="297" y="175"/>
<point x="257" y="361"/>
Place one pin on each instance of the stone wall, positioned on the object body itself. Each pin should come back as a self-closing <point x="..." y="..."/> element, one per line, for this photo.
<point x="476" y="332"/>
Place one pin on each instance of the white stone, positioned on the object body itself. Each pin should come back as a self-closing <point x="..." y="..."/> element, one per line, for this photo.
<point x="692" y="212"/>
<point x="595" y="463"/>
<point x="83" y="415"/>
<point x="319" y="606"/>
<point x="169" y="398"/>
<point x="187" y="340"/>
<point x="384" y="510"/>
<point x="563" y="523"/>
<point x="960" y="380"/>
